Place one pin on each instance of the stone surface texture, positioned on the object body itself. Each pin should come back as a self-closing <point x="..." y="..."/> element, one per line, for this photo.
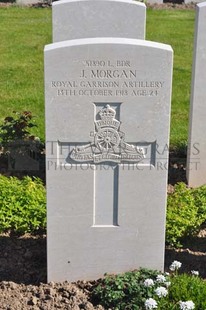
<point x="155" y="1"/>
<point x="193" y="1"/>
<point x="76" y="19"/>
<point x="196" y="157"/>
<point x="28" y="2"/>
<point x="94" y="228"/>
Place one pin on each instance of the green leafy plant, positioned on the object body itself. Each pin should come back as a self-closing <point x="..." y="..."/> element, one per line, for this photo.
<point x="17" y="127"/>
<point x="188" y="287"/>
<point x="148" y="289"/>
<point x="186" y="211"/>
<point x="19" y="146"/>
<point x="124" y="291"/>
<point x="22" y="205"/>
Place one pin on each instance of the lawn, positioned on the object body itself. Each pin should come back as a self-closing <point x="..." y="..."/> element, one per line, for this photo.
<point x="25" y="31"/>
<point x="23" y="34"/>
<point x="176" y="27"/>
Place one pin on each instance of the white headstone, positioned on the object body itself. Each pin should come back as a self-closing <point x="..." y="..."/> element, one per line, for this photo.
<point x="196" y="157"/>
<point x="154" y="1"/>
<point x="193" y="1"/>
<point x="76" y="19"/>
<point x="107" y="128"/>
<point x="28" y="2"/>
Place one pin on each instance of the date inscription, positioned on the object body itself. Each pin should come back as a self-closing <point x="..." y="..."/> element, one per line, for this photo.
<point x="107" y="78"/>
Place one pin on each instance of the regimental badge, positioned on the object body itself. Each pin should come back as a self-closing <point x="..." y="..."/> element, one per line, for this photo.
<point x="108" y="144"/>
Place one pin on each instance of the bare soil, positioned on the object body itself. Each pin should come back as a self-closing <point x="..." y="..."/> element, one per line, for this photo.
<point x="23" y="274"/>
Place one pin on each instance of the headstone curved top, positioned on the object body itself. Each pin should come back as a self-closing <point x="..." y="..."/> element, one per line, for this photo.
<point x="76" y="19"/>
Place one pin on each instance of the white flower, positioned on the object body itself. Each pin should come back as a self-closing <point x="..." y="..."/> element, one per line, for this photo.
<point x="195" y="273"/>
<point x="37" y="139"/>
<point x="148" y="282"/>
<point x="161" y="291"/>
<point x="167" y="284"/>
<point x="175" y="265"/>
<point x="150" y="304"/>
<point x="161" y="279"/>
<point x="167" y="273"/>
<point x="187" y="305"/>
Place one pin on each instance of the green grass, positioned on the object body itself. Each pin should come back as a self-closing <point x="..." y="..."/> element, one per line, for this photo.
<point x="23" y="34"/>
<point x="176" y="28"/>
<point x="25" y="31"/>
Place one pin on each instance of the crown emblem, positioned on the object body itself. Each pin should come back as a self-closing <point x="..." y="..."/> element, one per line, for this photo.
<point x="107" y="118"/>
<point x="107" y="113"/>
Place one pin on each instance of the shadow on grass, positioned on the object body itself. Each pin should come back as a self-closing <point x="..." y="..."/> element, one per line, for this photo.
<point x="176" y="170"/>
<point x="177" y="165"/>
